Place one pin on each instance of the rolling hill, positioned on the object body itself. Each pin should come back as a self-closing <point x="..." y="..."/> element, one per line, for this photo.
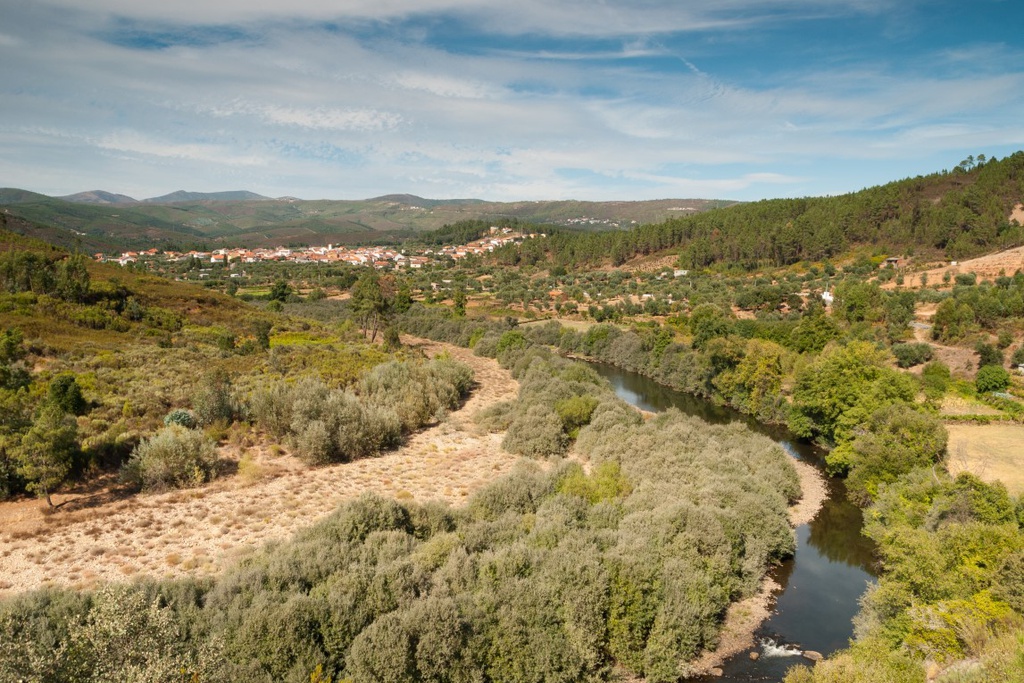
<point x="104" y="221"/>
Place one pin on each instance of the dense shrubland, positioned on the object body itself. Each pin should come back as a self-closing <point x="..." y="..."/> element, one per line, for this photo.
<point x="327" y="425"/>
<point x="545" y="575"/>
<point x="950" y="594"/>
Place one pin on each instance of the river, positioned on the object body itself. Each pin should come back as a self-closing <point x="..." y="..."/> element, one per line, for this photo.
<point x="821" y="584"/>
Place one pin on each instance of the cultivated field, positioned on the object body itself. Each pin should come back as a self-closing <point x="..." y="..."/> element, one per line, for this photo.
<point x="993" y="452"/>
<point x="987" y="267"/>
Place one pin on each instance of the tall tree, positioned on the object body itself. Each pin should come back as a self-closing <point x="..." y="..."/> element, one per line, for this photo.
<point x="47" y="451"/>
<point x="372" y="297"/>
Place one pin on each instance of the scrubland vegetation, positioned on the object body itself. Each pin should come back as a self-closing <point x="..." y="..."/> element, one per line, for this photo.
<point x="549" y="573"/>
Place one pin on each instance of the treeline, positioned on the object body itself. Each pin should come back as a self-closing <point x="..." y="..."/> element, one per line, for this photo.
<point x="550" y="574"/>
<point x="960" y="213"/>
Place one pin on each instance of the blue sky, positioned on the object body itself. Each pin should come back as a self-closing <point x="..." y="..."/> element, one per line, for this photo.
<point x="536" y="99"/>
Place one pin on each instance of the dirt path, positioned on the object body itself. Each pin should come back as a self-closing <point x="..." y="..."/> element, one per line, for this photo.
<point x="960" y="360"/>
<point x="199" y="531"/>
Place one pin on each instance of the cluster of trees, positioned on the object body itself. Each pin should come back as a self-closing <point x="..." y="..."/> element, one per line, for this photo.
<point x="547" y="574"/>
<point x="38" y="433"/>
<point x="31" y="271"/>
<point x="952" y="550"/>
<point x="990" y="307"/>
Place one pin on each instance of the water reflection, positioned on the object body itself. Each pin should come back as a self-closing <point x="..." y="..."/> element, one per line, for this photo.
<point x="821" y="584"/>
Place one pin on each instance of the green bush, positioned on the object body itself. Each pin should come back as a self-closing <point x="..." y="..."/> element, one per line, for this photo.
<point x="175" y="457"/>
<point x="182" y="418"/>
<point x="935" y="378"/>
<point x="536" y="433"/>
<point x="214" y="401"/>
<point x="65" y="393"/>
<point x="988" y="355"/>
<point x="909" y="355"/>
<point x="575" y="412"/>
<point x="992" y="378"/>
<point x="894" y="441"/>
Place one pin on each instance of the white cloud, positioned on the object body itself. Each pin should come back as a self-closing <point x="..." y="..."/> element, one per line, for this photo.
<point x="133" y="142"/>
<point x="445" y="86"/>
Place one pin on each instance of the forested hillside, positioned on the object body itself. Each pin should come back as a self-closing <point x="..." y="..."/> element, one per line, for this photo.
<point x="956" y="213"/>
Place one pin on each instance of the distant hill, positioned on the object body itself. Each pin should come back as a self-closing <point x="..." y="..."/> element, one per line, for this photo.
<point x="12" y="195"/>
<point x="230" y="196"/>
<point x="95" y="221"/>
<point x="99" y="197"/>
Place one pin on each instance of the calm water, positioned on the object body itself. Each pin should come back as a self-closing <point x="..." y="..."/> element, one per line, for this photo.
<point x="832" y="566"/>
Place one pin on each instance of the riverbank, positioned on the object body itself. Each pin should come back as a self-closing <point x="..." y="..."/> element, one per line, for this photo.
<point x="743" y="618"/>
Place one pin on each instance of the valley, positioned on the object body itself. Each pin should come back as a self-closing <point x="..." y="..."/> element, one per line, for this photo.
<point x="306" y="462"/>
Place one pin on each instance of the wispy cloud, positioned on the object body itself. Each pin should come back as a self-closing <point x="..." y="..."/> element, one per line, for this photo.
<point x="135" y="143"/>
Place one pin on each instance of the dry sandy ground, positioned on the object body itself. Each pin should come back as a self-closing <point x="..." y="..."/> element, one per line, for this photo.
<point x="987" y="267"/>
<point x="200" y="530"/>
<point x="993" y="452"/>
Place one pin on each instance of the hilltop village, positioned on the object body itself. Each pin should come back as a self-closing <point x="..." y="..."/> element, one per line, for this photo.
<point x="379" y="257"/>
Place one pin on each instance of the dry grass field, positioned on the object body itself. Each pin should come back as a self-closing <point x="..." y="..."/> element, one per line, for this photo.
<point x="987" y="268"/>
<point x="993" y="452"/>
<point x="101" y="534"/>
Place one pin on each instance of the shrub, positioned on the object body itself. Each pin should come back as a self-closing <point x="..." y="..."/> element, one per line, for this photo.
<point x="992" y="378"/>
<point x="966" y="279"/>
<point x="575" y="412"/>
<point x="511" y="340"/>
<point x="536" y="433"/>
<point x="909" y="355"/>
<point x="988" y="354"/>
<point x="214" y="401"/>
<point x="935" y="377"/>
<point x="182" y="418"/>
<point x="174" y="457"/>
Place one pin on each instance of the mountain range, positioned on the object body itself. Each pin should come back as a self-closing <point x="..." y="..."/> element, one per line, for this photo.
<point x="99" y="220"/>
<point x="102" y="197"/>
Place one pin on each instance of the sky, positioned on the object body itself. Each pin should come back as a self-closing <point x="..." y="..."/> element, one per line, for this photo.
<point x="499" y="100"/>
